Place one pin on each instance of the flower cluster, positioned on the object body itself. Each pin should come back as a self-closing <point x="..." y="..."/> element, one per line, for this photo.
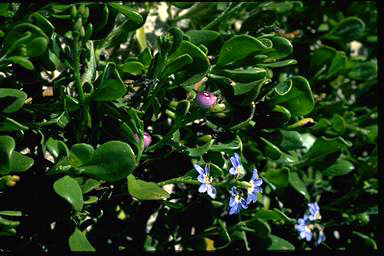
<point x="237" y="200"/>
<point x="307" y="226"/>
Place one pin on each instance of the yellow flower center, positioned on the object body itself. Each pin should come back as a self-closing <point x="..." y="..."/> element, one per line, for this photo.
<point x="207" y="179"/>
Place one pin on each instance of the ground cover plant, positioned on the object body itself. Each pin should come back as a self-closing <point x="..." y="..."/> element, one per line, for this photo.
<point x="188" y="126"/>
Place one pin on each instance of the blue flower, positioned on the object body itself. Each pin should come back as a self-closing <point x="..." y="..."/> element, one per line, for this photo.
<point x="314" y="211"/>
<point x="255" y="188"/>
<point x="236" y="165"/>
<point x="206" y="181"/>
<point x="236" y="202"/>
<point x="305" y="228"/>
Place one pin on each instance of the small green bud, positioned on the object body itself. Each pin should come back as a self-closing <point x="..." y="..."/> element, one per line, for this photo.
<point x="81" y="9"/>
<point x="73" y="11"/>
<point x="82" y="31"/>
<point x="77" y="26"/>
<point x="86" y="14"/>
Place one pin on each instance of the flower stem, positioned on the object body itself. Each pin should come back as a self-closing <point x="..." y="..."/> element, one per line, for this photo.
<point x="190" y="180"/>
<point x="79" y="88"/>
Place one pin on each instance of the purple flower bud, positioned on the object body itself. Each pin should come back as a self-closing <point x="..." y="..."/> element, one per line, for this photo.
<point x="147" y="139"/>
<point x="206" y="99"/>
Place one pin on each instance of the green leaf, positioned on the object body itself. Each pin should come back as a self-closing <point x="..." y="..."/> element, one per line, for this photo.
<point x="8" y="224"/>
<point x="176" y="65"/>
<point x="111" y="90"/>
<point x="205" y="37"/>
<point x="7" y="145"/>
<point x="11" y="100"/>
<point x="8" y="124"/>
<point x="20" y="162"/>
<point x="348" y="29"/>
<point x="337" y="65"/>
<point x="143" y="190"/>
<point x="271" y="150"/>
<point x="281" y="48"/>
<point x="299" y="100"/>
<point x="229" y="147"/>
<point x="274" y="214"/>
<point x="80" y="154"/>
<point x="57" y="148"/>
<point x="195" y="71"/>
<point x="261" y="227"/>
<point x="199" y="151"/>
<point x="36" y="47"/>
<point x="278" y="177"/>
<point x="279" y="244"/>
<point x="338" y="123"/>
<point x="290" y="140"/>
<point x="283" y="87"/>
<point x="129" y="13"/>
<point x="320" y="57"/>
<point x="242" y="75"/>
<point x="298" y="184"/>
<point x="340" y="167"/>
<point x="78" y="242"/>
<point x="69" y="189"/>
<point x="24" y="62"/>
<point x="11" y="213"/>
<point x="278" y="64"/>
<point x="239" y="47"/>
<point x="87" y="184"/>
<point x="324" y="146"/>
<point x="112" y="161"/>
<point x="133" y="67"/>
<point x="362" y="70"/>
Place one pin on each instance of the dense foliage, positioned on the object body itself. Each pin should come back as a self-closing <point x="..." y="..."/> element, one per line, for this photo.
<point x="188" y="126"/>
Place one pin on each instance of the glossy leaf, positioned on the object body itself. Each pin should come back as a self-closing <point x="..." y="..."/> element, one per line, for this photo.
<point x="69" y="189"/>
<point x="112" y="161"/>
<point x="130" y="14"/>
<point x="278" y="177"/>
<point x="22" y="61"/>
<point x="347" y="30"/>
<point x="112" y="89"/>
<point x="273" y="214"/>
<point x="8" y="124"/>
<point x="7" y="145"/>
<point x="132" y="67"/>
<point x="143" y="190"/>
<point x="340" y="167"/>
<point x="239" y="47"/>
<point x="20" y="162"/>
<point x="78" y="242"/>
<point x="299" y="100"/>
<point x="324" y="146"/>
<point x="279" y="244"/>
<point x="11" y="100"/>
<point x="298" y="184"/>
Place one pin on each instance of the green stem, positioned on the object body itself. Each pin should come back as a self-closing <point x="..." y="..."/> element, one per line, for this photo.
<point x="190" y="180"/>
<point x="80" y="92"/>
<point x="233" y="8"/>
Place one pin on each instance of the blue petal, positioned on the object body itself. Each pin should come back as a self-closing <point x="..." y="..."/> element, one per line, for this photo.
<point x="254" y="174"/>
<point x="199" y="169"/>
<point x="203" y="188"/>
<point x="206" y="169"/>
<point x="232" y="201"/>
<point x="234" y="191"/>
<point x="234" y="209"/>
<point x="257" y="189"/>
<point x="233" y="161"/>
<point x="243" y="203"/>
<point x="237" y="159"/>
<point x="308" y="236"/>
<point x="258" y="182"/>
<point x="201" y="178"/>
<point x="302" y="234"/>
<point x="211" y="191"/>
<point x="233" y="171"/>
